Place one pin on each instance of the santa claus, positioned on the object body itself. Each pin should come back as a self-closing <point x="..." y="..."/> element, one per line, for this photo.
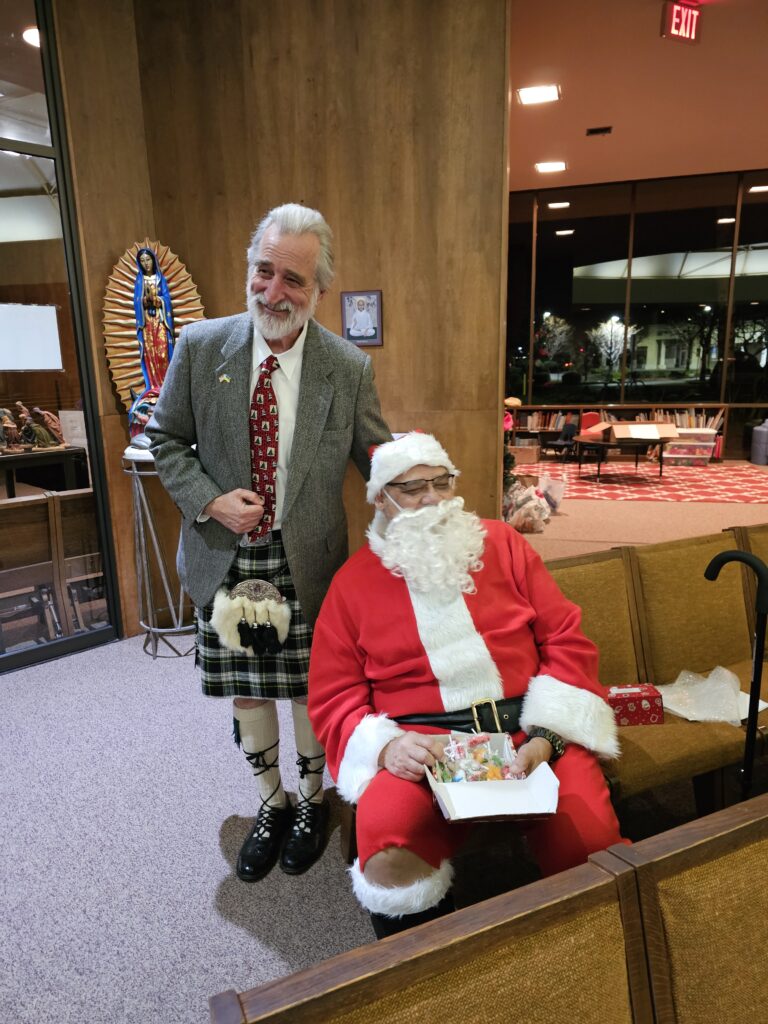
<point x="447" y="621"/>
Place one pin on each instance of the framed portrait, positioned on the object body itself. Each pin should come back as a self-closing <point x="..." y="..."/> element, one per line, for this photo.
<point x="361" y="317"/>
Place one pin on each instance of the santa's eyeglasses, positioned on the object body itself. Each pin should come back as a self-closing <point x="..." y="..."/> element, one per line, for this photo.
<point x="416" y="488"/>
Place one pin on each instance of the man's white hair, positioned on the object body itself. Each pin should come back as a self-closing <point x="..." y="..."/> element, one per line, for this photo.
<point x="294" y="219"/>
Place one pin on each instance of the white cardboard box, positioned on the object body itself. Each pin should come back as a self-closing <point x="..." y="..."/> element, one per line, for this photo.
<point x="526" y="799"/>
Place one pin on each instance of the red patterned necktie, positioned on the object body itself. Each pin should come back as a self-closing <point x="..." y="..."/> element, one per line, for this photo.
<point x="264" y="429"/>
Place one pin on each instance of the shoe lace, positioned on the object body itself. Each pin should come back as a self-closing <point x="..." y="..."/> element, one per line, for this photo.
<point x="259" y="763"/>
<point x="266" y="821"/>
<point x="306" y="806"/>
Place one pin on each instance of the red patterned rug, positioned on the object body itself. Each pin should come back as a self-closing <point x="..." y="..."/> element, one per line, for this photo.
<point x="620" y="482"/>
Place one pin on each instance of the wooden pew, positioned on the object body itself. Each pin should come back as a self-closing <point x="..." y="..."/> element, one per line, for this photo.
<point x="535" y="953"/>
<point x="704" y="909"/>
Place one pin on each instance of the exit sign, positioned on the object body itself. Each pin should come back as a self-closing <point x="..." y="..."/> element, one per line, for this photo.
<point x="682" y="22"/>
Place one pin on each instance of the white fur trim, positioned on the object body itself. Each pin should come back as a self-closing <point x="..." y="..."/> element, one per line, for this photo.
<point x="577" y="715"/>
<point x="395" y="457"/>
<point x="405" y="899"/>
<point x="224" y="619"/>
<point x="280" y="617"/>
<point x="360" y="762"/>
<point x="228" y="611"/>
<point x="457" y="653"/>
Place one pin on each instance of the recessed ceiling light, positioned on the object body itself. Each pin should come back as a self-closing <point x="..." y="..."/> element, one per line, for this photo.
<point x="538" y="94"/>
<point x="558" y="206"/>
<point x="726" y="220"/>
<point x="550" y="166"/>
<point x="759" y="188"/>
<point x="755" y="303"/>
<point x="565" y="231"/>
<point x="31" y="36"/>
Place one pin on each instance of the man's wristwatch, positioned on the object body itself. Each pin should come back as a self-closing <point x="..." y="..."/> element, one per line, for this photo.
<point x="558" y="743"/>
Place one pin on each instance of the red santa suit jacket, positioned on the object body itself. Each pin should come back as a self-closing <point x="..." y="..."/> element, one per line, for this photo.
<point x="381" y="650"/>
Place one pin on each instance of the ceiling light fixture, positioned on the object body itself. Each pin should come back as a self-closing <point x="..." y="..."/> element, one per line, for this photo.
<point x="538" y="94"/>
<point x="31" y="36"/>
<point x="759" y="188"/>
<point x="550" y="166"/>
<point x="726" y="220"/>
<point x="558" y="206"/>
<point x="565" y="231"/>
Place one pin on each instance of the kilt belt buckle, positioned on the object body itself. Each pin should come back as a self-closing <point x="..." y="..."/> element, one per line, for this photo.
<point x="494" y="710"/>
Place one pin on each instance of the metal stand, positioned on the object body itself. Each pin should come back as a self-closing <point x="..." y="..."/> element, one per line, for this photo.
<point x="138" y="464"/>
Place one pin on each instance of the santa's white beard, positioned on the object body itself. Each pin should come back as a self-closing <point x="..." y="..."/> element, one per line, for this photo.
<point x="433" y="548"/>
<point x="274" y="327"/>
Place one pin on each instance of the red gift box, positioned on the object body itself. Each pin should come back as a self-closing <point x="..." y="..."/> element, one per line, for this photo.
<point x="640" y="704"/>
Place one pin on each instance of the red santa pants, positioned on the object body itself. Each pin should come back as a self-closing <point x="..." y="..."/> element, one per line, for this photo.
<point x="393" y="812"/>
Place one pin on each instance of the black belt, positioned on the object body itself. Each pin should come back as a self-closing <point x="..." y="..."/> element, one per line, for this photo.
<point x="483" y="715"/>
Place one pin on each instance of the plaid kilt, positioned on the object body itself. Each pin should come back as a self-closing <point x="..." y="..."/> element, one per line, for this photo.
<point x="269" y="676"/>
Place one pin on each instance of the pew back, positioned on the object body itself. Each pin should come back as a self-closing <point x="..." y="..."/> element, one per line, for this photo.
<point x="705" y="914"/>
<point x="539" y="948"/>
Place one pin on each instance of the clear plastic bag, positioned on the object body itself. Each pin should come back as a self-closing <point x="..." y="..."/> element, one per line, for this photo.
<point x="712" y="698"/>
<point x="553" y="490"/>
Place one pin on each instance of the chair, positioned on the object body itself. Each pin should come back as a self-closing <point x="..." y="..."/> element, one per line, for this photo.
<point x="589" y="419"/>
<point x="540" y="947"/>
<point x="705" y="914"/>
<point x="565" y="443"/>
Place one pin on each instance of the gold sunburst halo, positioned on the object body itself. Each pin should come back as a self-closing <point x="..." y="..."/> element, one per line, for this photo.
<point x="119" y="320"/>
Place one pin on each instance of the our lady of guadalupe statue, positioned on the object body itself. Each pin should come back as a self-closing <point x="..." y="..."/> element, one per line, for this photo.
<point x="140" y="346"/>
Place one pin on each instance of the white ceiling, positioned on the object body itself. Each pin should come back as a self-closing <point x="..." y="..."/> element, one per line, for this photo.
<point x="674" y="109"/>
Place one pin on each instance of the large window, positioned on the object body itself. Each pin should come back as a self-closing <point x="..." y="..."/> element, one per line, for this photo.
<point x="646" y="293"/>
<point x="53" y="573"/>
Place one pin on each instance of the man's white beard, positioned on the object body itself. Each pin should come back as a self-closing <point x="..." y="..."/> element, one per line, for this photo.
<point x="274" y="327"/>
<point x="435" y="548"/>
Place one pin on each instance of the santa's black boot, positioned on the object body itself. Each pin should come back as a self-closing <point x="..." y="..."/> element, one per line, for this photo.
<point x="384" y="926"/>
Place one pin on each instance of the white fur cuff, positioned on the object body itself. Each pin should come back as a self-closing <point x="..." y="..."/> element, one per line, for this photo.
<point x="360" y="762"/>
<point x="577" y="715"/>
<point x="407" y="899"/>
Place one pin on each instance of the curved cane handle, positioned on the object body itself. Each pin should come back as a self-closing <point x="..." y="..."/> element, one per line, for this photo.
<point x="756" y="564"/>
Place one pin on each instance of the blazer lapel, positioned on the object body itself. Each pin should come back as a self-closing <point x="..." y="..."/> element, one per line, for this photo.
<point x="233" y="394"/>
<point x="315" y="397"/>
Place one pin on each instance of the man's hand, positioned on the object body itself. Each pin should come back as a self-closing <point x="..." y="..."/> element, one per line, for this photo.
<point x="239" y="510"/>
<point x="530" y="756"/>
<point x="406" y="756"/>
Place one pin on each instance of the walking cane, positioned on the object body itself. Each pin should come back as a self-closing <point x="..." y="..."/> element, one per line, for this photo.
<point x="761" y="571"/>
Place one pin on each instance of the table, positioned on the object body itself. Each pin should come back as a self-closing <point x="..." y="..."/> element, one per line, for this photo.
<point x="630" y="444"/>
<point x="63" y="469"/>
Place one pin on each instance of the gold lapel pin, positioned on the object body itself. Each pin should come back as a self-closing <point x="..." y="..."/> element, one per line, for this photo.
<point x="225" y="379"/>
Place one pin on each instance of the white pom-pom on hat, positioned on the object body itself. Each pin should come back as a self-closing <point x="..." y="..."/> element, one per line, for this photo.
<point x="395" y="457"/>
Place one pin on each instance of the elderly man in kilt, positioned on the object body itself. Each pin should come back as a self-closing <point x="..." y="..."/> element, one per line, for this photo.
<point x="257" y="419"/>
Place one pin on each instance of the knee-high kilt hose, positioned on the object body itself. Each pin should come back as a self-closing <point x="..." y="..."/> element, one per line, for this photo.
<point x="270" y="676"/>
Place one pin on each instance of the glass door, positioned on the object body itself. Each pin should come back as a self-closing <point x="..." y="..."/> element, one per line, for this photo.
<point x="56" y="574"/>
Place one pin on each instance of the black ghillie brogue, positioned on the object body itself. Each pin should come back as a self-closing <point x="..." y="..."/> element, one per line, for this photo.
<point x="305" y="841"/>
<point x="261" y="849"/>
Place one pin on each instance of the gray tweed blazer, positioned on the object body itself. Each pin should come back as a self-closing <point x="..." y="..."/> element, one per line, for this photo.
<point x="205" y="401"/>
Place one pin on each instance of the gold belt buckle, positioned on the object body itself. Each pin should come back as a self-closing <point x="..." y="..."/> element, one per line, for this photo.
<point x="486" y="700"/>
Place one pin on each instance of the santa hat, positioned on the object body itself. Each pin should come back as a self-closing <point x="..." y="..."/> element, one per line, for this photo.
<point x="395" y="457"/>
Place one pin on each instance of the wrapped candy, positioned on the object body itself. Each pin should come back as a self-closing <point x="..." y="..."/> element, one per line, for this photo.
<point x="473" y="759"/>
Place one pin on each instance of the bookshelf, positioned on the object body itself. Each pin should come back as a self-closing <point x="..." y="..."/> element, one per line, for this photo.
<point x="702" y="425"/>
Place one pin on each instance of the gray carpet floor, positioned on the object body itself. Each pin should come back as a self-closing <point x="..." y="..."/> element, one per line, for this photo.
<point x="124" y="804"/>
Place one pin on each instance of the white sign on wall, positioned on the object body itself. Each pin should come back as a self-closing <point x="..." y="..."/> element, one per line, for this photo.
<point x="29" y="338"/>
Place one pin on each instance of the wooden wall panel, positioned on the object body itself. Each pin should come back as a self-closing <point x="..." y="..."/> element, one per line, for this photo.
<point x="389" y="117"/>
<point x="105" y="124"/>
